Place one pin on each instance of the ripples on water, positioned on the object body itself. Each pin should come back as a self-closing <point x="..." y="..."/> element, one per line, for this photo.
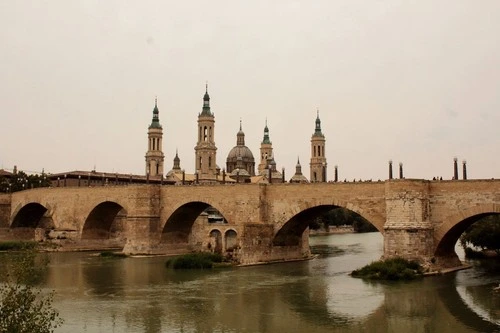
<point x="140" y="295"/>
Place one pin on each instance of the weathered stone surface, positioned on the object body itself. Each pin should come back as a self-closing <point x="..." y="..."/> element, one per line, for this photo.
<point x="264" y="222"/>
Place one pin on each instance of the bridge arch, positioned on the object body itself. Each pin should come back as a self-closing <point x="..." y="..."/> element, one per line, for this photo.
<point x="448" y="233"/>
<point x="179" y="224"/>
<point x="31" y="215"/>
<point x="105" y="221"/>
<point x="290" y="233"/>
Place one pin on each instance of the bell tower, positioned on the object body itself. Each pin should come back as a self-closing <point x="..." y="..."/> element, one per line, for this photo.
<point x="266" y="151"/>
<point x="154" y="155"/>
<point x="318" y="157"/>
<point x="205" y="150"/>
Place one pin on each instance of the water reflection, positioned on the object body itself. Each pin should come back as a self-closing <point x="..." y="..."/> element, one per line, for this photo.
<point x="139" y="295"/>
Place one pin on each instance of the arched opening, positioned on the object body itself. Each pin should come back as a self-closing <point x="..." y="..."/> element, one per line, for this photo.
<point x="30" y="218"/>
<point x="231" y="238"/>
<point x="323" y="217"/>
<point x="106" y="222"/>
<point x="190" y="224"/>
<point x="445" y="249"/>
<point x="215" y="243"/>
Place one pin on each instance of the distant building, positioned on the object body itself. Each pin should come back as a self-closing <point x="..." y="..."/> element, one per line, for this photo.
<point x="318" y="158"/>
<point x="298" y="177"/>
<point x="240" y="163"/>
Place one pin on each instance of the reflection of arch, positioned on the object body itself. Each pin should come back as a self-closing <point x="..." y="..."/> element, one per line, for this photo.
<point x="290" y="234"/>
<point x="231" y="238"/>
<point x="179" y="225"/>
<point x="216" y="240"/>
<point x="447" y="235"/>
<point x="31" y="216"/>
<point x="461" y="311"/>
<point x="104" y="221"/>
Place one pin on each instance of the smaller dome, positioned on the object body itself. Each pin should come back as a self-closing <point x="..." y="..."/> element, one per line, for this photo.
<point x="240" y="172"/>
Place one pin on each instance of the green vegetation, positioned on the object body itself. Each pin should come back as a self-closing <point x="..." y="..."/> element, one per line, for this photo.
<point x="22" y="181"/>
<point x="198" y="260"/>
<point x="111" y="254"/>
<point x="390" y="269"/>
<point x="17" y="245"/>
<point x="484" y="234"/>
<point x="341" y="216"/>
<point x="23" y="307"/>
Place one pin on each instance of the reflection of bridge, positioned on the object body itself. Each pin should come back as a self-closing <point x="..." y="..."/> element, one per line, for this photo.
<point x="267" y="222"/>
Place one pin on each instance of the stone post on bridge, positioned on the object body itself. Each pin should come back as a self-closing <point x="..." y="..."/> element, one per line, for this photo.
<point x="408" y="231"/>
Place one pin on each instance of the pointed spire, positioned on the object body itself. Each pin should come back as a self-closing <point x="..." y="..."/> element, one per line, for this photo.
<point x="177" y="161"/>
<point x="298" y="168"/>
<point x="266" y="135"/>
<point x="206" y="102"/>
<point x="240" y="137"/>
<point x="155" y="122"/>
<point x="317" y="131"/>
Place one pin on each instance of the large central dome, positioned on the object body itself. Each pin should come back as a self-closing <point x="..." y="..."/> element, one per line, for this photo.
<point x="240" y="157"/>
<point x="243" y="151"/>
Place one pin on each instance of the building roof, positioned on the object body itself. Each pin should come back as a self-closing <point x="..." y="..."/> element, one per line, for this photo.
<point x="5" y="173"/>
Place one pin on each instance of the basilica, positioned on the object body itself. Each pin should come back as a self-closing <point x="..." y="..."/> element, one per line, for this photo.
<point x="240" y="161"/>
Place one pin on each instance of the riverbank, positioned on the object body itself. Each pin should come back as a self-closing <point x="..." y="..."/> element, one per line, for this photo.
<point x="344" y="229"/>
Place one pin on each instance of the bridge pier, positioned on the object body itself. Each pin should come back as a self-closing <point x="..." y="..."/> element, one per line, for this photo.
<point x="408" y="233"/>
<point x="257" y="246"/>
<point x="142" y="235"/>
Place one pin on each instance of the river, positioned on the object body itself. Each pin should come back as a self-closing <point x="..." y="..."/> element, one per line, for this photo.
<point x="95" y="294"/>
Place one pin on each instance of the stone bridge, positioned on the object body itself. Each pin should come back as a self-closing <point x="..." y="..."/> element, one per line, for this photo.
<point x="419" y="219"/>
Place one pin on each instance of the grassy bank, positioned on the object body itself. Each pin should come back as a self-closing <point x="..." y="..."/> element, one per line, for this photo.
<point x="18" y="245"/>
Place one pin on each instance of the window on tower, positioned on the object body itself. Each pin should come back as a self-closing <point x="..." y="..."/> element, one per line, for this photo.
<point x="205" y="133"/>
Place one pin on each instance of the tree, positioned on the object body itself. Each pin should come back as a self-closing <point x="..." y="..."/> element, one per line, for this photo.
<point x="23" y="307"/>
<point x="22" y="181"/>
<point x="342" y="216"/>
<point x="484" y="234"/>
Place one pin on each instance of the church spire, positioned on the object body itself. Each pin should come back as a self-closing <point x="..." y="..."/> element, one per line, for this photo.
<point x="317" y="130"/>
<point x="155" y="123"/>
<point x="206" y="103"/>
<point x="266" y="135"/>
<point x="240" y="137"/>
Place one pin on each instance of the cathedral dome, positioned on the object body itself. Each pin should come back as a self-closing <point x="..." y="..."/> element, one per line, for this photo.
<point x="243" y="151"/>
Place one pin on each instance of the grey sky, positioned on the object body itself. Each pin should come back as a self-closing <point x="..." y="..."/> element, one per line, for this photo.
<point x="417" y="82"/>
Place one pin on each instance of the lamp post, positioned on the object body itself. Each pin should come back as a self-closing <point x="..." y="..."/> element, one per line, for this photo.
<point x="79" y="180"/>
<point x="237" y="175"/>
<point x="65" y="176"/>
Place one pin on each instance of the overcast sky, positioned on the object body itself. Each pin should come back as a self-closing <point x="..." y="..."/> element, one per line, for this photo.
<point x="417" y="82"/>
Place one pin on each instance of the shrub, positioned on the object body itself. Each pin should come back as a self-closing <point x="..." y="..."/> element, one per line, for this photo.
<point x="23" y="307"/>
<point x="198" y="260"/>
<point x="390" y="269"/>
<point x="111" y="254"/>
